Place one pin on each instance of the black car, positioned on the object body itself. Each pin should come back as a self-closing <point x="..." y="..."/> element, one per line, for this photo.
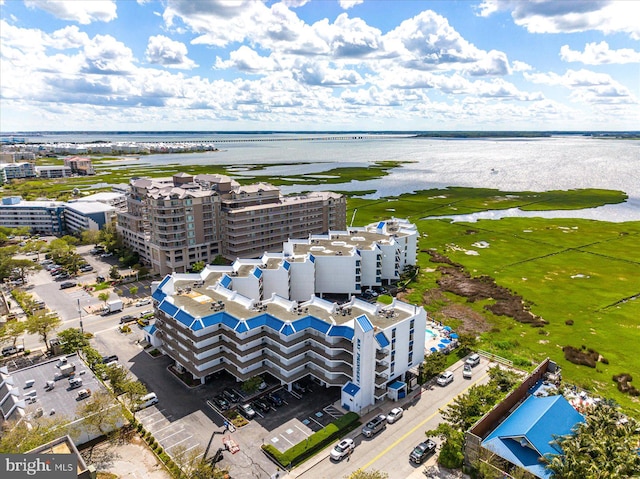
<point x="231" y="395"/>
<point x="261" y="405"/>
<point x="221" y="403"/>
<point x="68" y="284"/>
<point x="422" y="451"/>
<point x="108" y="359"/>
<point x="275" y="400"/>
<point x="127" y="318"/>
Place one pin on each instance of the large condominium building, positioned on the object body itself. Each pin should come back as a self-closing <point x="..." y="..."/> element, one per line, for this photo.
<point x="43" y="217"/>
<point x="175" y="222"/>
<point x="241" y="319"/>
<point x="80" y="166"/>
<point x="12" y="171"/>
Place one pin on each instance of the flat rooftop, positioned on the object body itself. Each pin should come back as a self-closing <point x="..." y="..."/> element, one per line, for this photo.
<point x="199" y="299"/>
<point x="60" y="399"/>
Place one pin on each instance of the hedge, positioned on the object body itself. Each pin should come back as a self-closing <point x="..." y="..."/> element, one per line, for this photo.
<point x="314" y="443"/>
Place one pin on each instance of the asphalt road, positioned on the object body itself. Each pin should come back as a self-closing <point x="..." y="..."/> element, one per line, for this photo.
<point x="389" y="450"/>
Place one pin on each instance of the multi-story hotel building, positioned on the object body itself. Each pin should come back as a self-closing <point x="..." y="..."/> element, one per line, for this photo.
<point x="175" y="222"/>
<point x="263" y="316"/>
<point x="364" y="348"/>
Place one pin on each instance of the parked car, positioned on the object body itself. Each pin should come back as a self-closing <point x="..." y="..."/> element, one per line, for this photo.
<point x="467" y="372"/>
<point x="86" y="268"/>
<point x="221" y="403"/>
<point x="261" y="405"/>
<point x="473" y="360"/>
<point x="106" y="255"/>
<point x="67" y="285"/>
<point x="109" y="359"/>
<point x="9" y="350"/>
<point x="299" y="388"/>
<point x="143" y="302"/>
<point x="275" y="400"/>
<point x="445" y="378"/>
<point x="75" y="383"/>
<point x="147" y="401"/>
<point x="127" y="318"/>
<point x="342" y="449"/>
<point x="247" y="411"/>
<point x="422" y="451"/>
<point x="231" y="395"/>
<point x="374" y="426"/>
<point x="83" y="393"/>
<point x="146" y="312"/>
<point x="394" y="415"/>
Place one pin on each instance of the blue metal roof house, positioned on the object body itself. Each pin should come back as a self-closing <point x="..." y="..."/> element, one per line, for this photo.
<point x="526" y="435"/>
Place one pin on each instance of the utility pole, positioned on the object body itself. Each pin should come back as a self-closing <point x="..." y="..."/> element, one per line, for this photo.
<point x="80" y="316"/>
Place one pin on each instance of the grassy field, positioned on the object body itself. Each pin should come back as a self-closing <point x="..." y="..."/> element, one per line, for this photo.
<point x="566" y="269"/>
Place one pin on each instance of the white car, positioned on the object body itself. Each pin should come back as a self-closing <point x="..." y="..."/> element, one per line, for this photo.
<point x="143" y="302"/>
<point x="445" y="378"/>
<point x="467" y="372"/>
<point x="394" y="415"/>
<point x="342" y="449"/>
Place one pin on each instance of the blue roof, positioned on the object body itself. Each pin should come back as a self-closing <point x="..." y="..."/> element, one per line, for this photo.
<point x="288" y="330"/>
<point x="351" y="389"/>
<point x="382" y="340"/>
<point x="311" y="322"/>
<point x="167" y="307"/>
<point x="312" y="258"/>
<point x="257" y="272"/>
<point x="534" y="423"/>
<point x="225" y="281"/>
<point x="265" y="320"/>
<point x="397" y="385"/>
<point x="150" y="329"/>
<point x="344" y="331"/>
<point x="184" y="317"/>
<point x="364" y="323"/>
<point x="381" y="225"/>
<point x="164" y="281"/>
<point x="158" y="295"/>
<point x="286" y="265"/>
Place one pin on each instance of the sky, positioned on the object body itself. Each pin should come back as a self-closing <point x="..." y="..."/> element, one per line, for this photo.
<point x="314" y="65"/>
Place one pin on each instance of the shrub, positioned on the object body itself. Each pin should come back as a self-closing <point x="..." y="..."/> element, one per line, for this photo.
<point x="314" y="443"/>
<point x="580" y="357"/>
<point x="569" y="322"/>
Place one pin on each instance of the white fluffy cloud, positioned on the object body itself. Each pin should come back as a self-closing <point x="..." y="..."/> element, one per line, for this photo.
<point x="81" y="11"/>
<point x="347" y="4"/>
<point x="555" y="16"/>
<point x="162" y="50"/>
<point x="599" y="54"/>
<point x="587" y="86"/>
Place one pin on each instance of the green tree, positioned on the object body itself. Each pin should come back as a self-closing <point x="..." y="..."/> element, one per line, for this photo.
<point x="37" y="246"/>
<point x="104" y="297"/>
<point x="43" y="325"/>
<point x="466" y="409"/>
<point x="604" y="446"/>
<point x="23" y="267"/>
<point x="110" y="238"/>
<point x="133" y="290"/>
<point x="251" y="385"/>
<point x="132" y="392"/>
<point x="102" y="415"/>
<point x="373" y="474"/>
<point x="89" y="236"/>
<point x="197" y="266"/>
<point x="118" y="377"/>
<point x="59" y="249"/>
<point x="72" y="340"/>
<point x="433" y="365"/>
<point x="114" y="273"/>
<point x="22" y="436"/>
<point x="451" y="455"/>
<point x="190" y="461"/>
<point x="11" y="331"/>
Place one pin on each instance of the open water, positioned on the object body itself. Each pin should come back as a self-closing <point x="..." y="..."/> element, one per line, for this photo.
<point x="538" y="164"/>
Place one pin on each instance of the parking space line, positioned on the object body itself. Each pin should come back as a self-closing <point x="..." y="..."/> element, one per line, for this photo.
<point x="295" y="395"/>
<point x="319" y="424"/>
<point x="283" y="437"/>
<point x="174" y="445"/>
<point x="303" y="432"/>
<point x="163" y="428"/>
<point x="170" y="435"/>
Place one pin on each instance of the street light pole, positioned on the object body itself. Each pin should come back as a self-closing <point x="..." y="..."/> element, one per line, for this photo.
<point x="80" y="315"/>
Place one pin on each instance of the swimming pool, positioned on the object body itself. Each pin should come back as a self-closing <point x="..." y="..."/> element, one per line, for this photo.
<point x="430" y="332"/>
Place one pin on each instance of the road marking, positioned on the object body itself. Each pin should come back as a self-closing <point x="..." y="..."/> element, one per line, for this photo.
<point x="174" y="445"/>
<point x="170" y="435"/>
<point x="407" y="434"/>
<point x="303" y="432"/>
<point x="283" y="437"/>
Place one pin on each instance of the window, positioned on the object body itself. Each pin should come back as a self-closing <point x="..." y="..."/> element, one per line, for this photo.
<point x="393" y="333"/>
<point x="412" y="323"/>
